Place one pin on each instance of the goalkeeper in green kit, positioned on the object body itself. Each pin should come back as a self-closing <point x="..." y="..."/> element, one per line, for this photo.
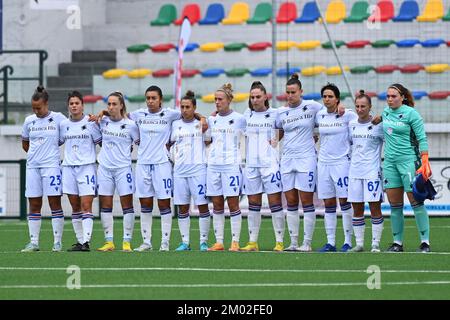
<point x="405" y="155"/>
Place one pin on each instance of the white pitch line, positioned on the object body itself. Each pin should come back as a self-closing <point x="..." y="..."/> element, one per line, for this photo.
<point x="228" y="285"/>
<point x="219" y="269"/>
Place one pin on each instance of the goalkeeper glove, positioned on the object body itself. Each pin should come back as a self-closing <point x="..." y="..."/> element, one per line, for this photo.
<point x="425" y="169"/>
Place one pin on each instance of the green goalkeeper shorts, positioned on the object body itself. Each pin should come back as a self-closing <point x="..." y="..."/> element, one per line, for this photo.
<point x="398" y="175"/>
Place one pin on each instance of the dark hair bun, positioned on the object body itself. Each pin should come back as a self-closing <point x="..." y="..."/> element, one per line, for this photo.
<point x="294" y="76"/>
<point x="190" y="94"/>
<point x="40" y="88"/>
<point x="361" y="91"/>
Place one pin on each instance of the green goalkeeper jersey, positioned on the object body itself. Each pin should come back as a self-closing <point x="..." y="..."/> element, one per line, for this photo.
<point x="404" y="134"/>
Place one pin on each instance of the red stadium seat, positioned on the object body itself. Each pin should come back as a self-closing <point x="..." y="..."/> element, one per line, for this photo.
<point x="282" y="97"/>
<point x="439" y="95"/>
<point x="92" y="98"/>
<point x="411" y="68"/>
<point x="192" y="12"/>
<point x="448" y="43"/>
<point x="189" y="73"/>
<point x="259" y="46"/>
<point x="386" y="12"/>
<point x="357" y="44"/>
<point x="162" y="73"/>
<point x="389" y="68"/>
<point x="164" y="47"/>
<point x="287" y="12"/>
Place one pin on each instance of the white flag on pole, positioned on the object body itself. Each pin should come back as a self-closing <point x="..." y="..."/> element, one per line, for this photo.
<point x="183" y="41"/>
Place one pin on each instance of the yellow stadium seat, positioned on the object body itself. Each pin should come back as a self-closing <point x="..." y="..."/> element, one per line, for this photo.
<point x="433" y="10"/>
<point x="308" y="45"/>
<point x="313" y="71"/>
<point x="336" y="70"/>
<point x="139" y="73"/>
<point x="335" y="11"/>
<point x="285" y="45"/>
<point x="437" y="68"/>
<point x="209" y="98"/>
<point x="239" y="97"/>
<point x="211" y="46"/>
<point x="239" y="13"/>
<point x="114" y="73"/>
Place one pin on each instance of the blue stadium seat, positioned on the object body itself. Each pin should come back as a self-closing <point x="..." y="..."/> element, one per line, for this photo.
<point x="190" y="47"/>
<point x="432" y="43"/>
<point x="261" y="72"/>
<point x="419" y="94"/>
<point x="214" y="14"/>
<point x="310" y="13"/>
<point x="312" y="96"/>
<point x="409" y="11"/>
<point x="282" y="72"/>
<point x="212" y="73"/>
<point x="382" y="95"/>
<point x="407" y="43"/>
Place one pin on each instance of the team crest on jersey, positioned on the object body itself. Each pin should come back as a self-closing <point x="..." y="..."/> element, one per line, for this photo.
<point x="231" y="121"/>
<point x="369" y="128"/>
<point x="179" y="128"/>
<point x="123" y="126"/>
<point x="161" y="114"/>
<point x="400" y="116"/>
<point x="197" y="126"/>
<point x="145" y="114"/>
<point x="50" y="120"/>
<point x="337" y="116"/>
<point x="323" y="116"/>
<point x="215" y="121"/>
<point x="34" y="122"/>
<point x="287" y="113"/>
<point x="353" y="128"/>
<point x="389" y="130"/>
<point x="83" y="127"/>
<point x="67" y="128"/>
<point x="267" y="115"/>
<point x="305" y="108"/>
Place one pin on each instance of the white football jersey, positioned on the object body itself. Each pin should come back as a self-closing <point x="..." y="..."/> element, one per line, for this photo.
<point x="80" y="138"/>
<point x="189" y="148"/>
<point x="43" y="135"/>
<point x="298" y="125"/>
<point x="225" y="132"/>
<point x="334" y="136"/>
<point x="367" y="141"/>
<point x="154" y="130"/>
<point x="259" y="132"/>
<point x="117" y="140"/>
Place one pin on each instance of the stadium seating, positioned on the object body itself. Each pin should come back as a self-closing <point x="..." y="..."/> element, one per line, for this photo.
<point x="208" y="98"/>
<point x="137" y="98"/>
<point x="190" y="47"/>
<point x="235" y="46"/>
<point x="361" y="69"/>
<point x="167" y="14"/>
<point x="285" y="45"/>
<point x="310" y="13"/>
<point x="313" y="71"/>
<point x="92" y="98"/>
<point x="211" y="46"/>
<point x="382" y="43"/>
<point x="411" y="68"/>
<point x="281" y="97"/>
<point x="237" y="72"/>
<point x="283" y="72"/>
<point x="163" y="47"/>
<point x="388" y="68"/>
<point x="432" y="43"/>
<point x="437" y="68"/>
<point x="335" y="11"/>
<point x="261" y="72"/>
<point x="287" y="12"/>
<point x="262" y="14"/>
<point x="312" y="96"/>
<point x="139" y="73"/>
<point x="357" y="44"/>
<point x="382" y="96"/>
<point x="409" y="11"/>
<point x="385" y="13"/>
<point x="259" y="46"/>
<point x="215" y="72"/>
<point x="417" y="95"/>
<point x="359" y="12"/>
<point x="162" y="73"/>
<point x="239" y="13"/>
<point x="240" y="97"/>
<point x="439" y="95"/>
<point x="335" y="70"/>
<point x="337" y="43"/>
<point x="189" y="73"/>
<point x="433" y="11"/>
<point x="407" y="43"/>
<point x="214" y="14"/>
<point x="138" y="48"/>
<point x="192" y="12"/>
<point x="447" y="16"/>
<point x="114" y="73"/>
<point x="308" y="45"/>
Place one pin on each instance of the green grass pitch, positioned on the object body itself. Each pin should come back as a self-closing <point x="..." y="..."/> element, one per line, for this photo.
<point x="226" y="275"/>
